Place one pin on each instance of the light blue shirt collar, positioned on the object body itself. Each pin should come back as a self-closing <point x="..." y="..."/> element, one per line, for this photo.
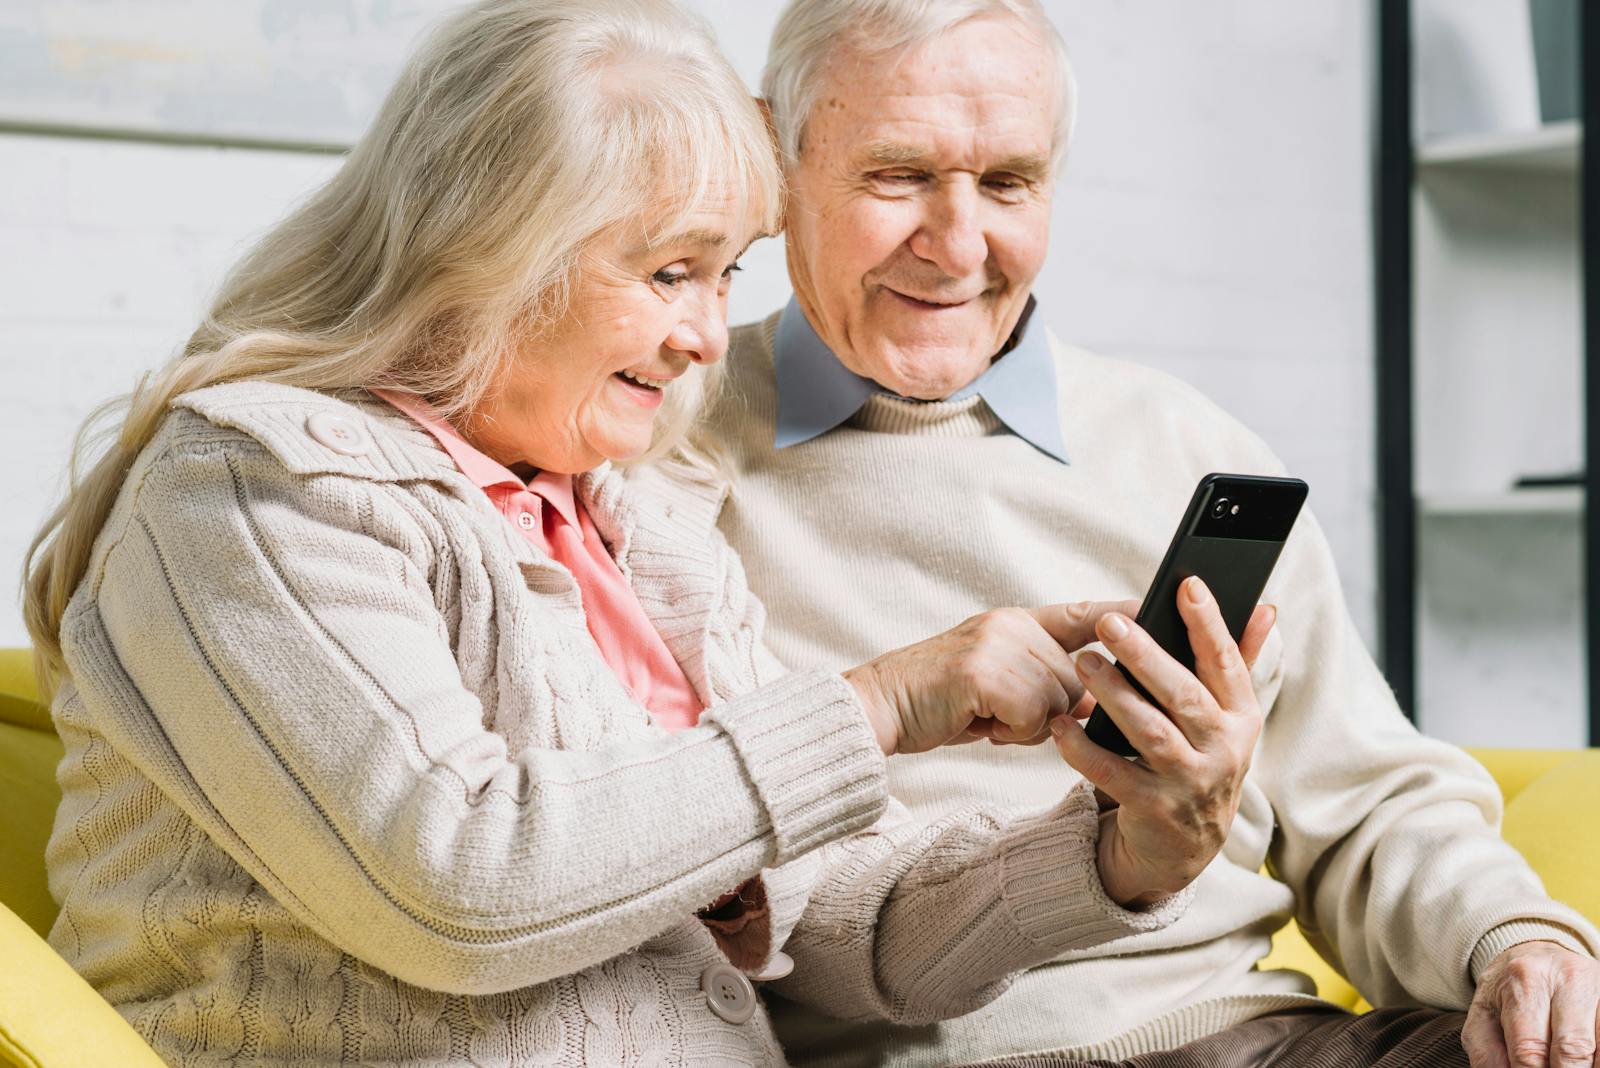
<point x="817" y="393"/>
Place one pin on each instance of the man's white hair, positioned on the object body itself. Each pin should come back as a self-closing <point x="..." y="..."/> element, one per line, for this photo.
<point x="810" y="31"/>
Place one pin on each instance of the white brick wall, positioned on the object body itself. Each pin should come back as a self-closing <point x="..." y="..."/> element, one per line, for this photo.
<point x="1212" y="221"/>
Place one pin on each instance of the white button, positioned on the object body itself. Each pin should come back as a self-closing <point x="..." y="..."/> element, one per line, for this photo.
<point x="729" y="993"/>
<point x="338" y="433"/>
<point x="779" y="966"/>
<point x="525" y="520"/>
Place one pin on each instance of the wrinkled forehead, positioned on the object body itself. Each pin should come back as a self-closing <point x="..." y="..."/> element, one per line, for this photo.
<point x="985" y="88"/>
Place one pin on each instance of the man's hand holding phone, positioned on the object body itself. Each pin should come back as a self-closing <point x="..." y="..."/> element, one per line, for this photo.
<point x="1176" y="804"/>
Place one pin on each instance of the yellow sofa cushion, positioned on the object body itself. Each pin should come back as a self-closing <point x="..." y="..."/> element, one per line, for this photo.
<point x="1515" y="769"/>
<point x="1291" y="950"/>
<point x="1552" y="823"/>
<point x="52" y="1017"/>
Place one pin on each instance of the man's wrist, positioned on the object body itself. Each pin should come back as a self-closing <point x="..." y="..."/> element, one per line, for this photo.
<point x="1123" y="882"/>
<point x="1518" y="932"/>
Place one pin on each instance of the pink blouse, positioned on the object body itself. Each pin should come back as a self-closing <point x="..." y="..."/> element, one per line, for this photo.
<point x="548" y="514"/>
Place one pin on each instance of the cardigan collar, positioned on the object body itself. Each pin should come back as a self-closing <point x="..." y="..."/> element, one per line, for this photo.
<point x="643" y="513"/>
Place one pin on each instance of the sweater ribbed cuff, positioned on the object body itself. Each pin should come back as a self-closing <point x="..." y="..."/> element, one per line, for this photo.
<point x="809" y="750"/>
<point x="1051" y="874"/>
<point x="1501" y="938"/>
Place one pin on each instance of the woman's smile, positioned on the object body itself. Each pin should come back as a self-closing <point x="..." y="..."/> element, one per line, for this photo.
<point x="642" y="389"/>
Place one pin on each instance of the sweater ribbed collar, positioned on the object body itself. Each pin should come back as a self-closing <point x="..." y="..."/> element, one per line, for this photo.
<point x="816" y="392"/>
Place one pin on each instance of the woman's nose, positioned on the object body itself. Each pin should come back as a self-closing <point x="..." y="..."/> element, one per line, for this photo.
<point x="702" y="333"/>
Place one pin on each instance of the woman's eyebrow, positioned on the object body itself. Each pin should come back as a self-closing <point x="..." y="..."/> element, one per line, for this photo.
<point x="708" y="238"/>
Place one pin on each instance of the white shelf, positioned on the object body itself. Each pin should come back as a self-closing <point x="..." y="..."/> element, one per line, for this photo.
<point x="1554" y="148"/>
<point x="1554" y="501"/>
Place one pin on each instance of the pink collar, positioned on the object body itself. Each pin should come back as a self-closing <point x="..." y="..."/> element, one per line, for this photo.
<point x="484" y="471"/>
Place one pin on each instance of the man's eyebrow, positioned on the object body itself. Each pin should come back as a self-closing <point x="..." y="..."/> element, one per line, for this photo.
<point x="1028" y="166"/>
<point x="893" y="154"/>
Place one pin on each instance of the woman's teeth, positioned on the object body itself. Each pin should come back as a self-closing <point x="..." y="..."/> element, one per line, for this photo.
<point x="653" y="383"/>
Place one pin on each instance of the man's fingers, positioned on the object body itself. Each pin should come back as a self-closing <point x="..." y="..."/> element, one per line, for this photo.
<point x="1572" y="1019"/>
<point x="1120" y="780"/>
<point x="1481" y="1038"/>
<point x="1218" y="660"/>
<point x="1525" y="1017"/>
<point x="1147" y="728"/>
<point x="1173" y="689"/>
<point x="1262" y="620"/>
<point x="1073" y="625"/>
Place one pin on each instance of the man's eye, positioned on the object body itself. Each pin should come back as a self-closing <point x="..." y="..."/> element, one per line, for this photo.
<point x="670" y="278"/>
<point x="1005" y="183"/>
<point x="900" y="177"/>
<point x="734" y="266"/>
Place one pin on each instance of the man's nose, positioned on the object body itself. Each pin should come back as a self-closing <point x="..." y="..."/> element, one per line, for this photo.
<point x="951" y="234"/>
<point x="702" y="332"/>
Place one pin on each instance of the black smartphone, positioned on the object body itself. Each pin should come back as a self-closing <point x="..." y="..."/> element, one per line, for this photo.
<point x="1230" y="536"/>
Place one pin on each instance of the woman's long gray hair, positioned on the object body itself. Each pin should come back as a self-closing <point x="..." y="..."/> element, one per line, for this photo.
<point x="520" y="131"/>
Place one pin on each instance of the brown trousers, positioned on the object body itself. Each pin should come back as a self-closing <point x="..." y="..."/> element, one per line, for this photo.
<point x="1309" y="1038"/>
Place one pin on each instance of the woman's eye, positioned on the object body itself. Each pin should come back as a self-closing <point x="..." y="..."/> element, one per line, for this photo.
<point x="734" y="266"/>
<point x="670" y="278"/>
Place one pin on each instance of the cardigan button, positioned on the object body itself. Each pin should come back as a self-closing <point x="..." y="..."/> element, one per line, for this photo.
<point x="338" y="434"/>
<point x="728" y="993"/>
<point x="779" y="966"/>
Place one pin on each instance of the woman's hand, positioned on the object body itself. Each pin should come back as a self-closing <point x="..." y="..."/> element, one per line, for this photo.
<point x="1176" y="805"/>
<point x="1003" y="674"/>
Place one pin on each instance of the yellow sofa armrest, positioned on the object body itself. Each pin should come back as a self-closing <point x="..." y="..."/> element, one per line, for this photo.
<point x="28" y="760"/>
<point x="50" y="1017"/>
<point x="16" y="674"/>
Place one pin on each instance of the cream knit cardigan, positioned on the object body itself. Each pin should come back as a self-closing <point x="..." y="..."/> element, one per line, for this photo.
<point x="346" y="780"/>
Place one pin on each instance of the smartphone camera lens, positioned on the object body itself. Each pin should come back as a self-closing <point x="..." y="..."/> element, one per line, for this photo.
<point x="1222" y="507"/>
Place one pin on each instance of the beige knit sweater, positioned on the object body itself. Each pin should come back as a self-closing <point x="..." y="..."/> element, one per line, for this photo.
<point x="911" y="517"/>
<point x="347" y="781"/>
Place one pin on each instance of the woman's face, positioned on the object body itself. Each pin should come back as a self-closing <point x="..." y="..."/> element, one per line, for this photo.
<point x="587" y="388"/>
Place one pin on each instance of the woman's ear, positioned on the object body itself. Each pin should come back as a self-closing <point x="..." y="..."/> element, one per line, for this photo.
<point x="766" y="117"/>
<point x="772" y="135"/>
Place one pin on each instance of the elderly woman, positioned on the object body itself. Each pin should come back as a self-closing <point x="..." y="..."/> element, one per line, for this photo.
<point x="403" y="728"/>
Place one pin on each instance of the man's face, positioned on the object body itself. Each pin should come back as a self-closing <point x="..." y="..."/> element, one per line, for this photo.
<point x="920" y="206"/>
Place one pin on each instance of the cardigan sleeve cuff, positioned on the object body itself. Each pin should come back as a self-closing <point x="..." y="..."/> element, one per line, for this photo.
<point x="1051" y="876"/>
<point x="1503" y="937"/>
<point x="812" y="757"/>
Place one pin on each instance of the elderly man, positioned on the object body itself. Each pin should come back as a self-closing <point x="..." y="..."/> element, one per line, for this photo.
<point x="912" y="446"/>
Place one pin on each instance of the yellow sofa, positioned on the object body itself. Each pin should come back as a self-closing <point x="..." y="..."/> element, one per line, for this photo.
<point x="50" y="1018"/>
